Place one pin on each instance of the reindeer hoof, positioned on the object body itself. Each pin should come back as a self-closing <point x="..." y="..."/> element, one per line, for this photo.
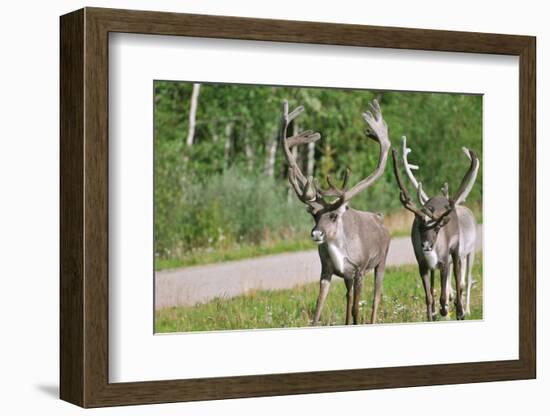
<point x="444" y="311"/>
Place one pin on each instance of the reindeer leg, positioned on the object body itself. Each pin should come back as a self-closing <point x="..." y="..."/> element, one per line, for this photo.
<point x="357" y="289"/>
<point x="450" y="290"/>
<point x="378" y="280"/>
<point x="459" y="282"/>
<point x="349" y="298"/>
<point x="432" y="289"/>
<point x="470" y="264"/>
<point x="444" y="299"/>
<point x="324" y="286"/>
<point x="424" y="274"/>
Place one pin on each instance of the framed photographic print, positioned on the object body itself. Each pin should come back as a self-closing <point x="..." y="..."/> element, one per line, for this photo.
<point x="262" y="207"/>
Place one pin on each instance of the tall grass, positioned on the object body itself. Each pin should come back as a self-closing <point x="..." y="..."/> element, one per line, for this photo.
<point x="226" y="211"/>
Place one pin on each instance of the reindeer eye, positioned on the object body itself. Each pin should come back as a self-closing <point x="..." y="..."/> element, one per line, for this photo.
<point x="333" y="217"/>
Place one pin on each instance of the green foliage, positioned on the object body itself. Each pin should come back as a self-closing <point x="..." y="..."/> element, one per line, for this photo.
<point x="216" y="194"/>
<point x="228" y="209"/>
<point x="402" y="301"/>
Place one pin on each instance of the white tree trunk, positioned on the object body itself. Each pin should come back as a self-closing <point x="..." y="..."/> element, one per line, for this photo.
<point x="271" y="153"/>
<point x="270" y="160"/>
<point x="227" y="145"/>
<point x="193" y="113"/>
<point x="249" y="156"/>
<point x="248" y="149"/>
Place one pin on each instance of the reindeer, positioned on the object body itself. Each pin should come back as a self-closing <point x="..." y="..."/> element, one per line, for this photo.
<point x="443" y="229"/>
<point x="350" y="242"/>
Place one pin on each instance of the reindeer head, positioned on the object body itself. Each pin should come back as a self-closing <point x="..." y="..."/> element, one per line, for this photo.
<point x="441" y="209"/>
<point x="328" y="207"/>
<point x="438" y="211"/>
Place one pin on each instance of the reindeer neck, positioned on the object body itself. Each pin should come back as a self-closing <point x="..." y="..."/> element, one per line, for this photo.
<point x="339" y="252"/>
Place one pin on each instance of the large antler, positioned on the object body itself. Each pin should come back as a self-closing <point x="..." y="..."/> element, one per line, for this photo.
<point x="469" y="178"/>
<point x="377" y="131"/>
<point x="422" y="197"/>
<point x="304" y="187"/>
<point x="465" y="187"/>
<point x="309" y="190"/>
<point x="408" y="202"/>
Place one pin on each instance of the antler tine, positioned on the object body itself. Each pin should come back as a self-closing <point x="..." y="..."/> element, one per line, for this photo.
<point x="304" y="187"/>
<point x="469" y="178"/>
<point x="345" y="180"/>
<point x="295" y="113"/>
<point x="419" y="191"/>
<point x="287" y="118"/>
<point x="445" y="190"/>
<point x="308" y="194"/>
<point x="377" y="129"/>
<point x="307" y="136"/>
<point x="403" y="194"/>
<point x="335" y="190"/>
<point x="422" y="196"/>
<point x="304" y="137"/>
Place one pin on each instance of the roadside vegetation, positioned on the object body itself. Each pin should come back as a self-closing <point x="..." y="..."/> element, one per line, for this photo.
<point x="398" y="222"/>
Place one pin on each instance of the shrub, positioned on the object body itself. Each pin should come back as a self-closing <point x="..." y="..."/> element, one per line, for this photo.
<point x="226" y="209"/>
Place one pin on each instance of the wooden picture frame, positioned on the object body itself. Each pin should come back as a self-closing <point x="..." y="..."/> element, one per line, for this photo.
<point x="84" y="207"/>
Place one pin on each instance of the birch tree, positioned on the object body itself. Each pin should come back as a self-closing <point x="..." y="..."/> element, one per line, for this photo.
<point x="193" y="113"/>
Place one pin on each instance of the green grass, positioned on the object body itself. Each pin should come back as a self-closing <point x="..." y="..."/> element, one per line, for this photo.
<point x="402" y="301"/>
<point x="237" y="252"/>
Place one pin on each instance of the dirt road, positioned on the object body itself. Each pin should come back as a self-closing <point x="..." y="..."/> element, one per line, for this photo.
<point x="199" y="284"/>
